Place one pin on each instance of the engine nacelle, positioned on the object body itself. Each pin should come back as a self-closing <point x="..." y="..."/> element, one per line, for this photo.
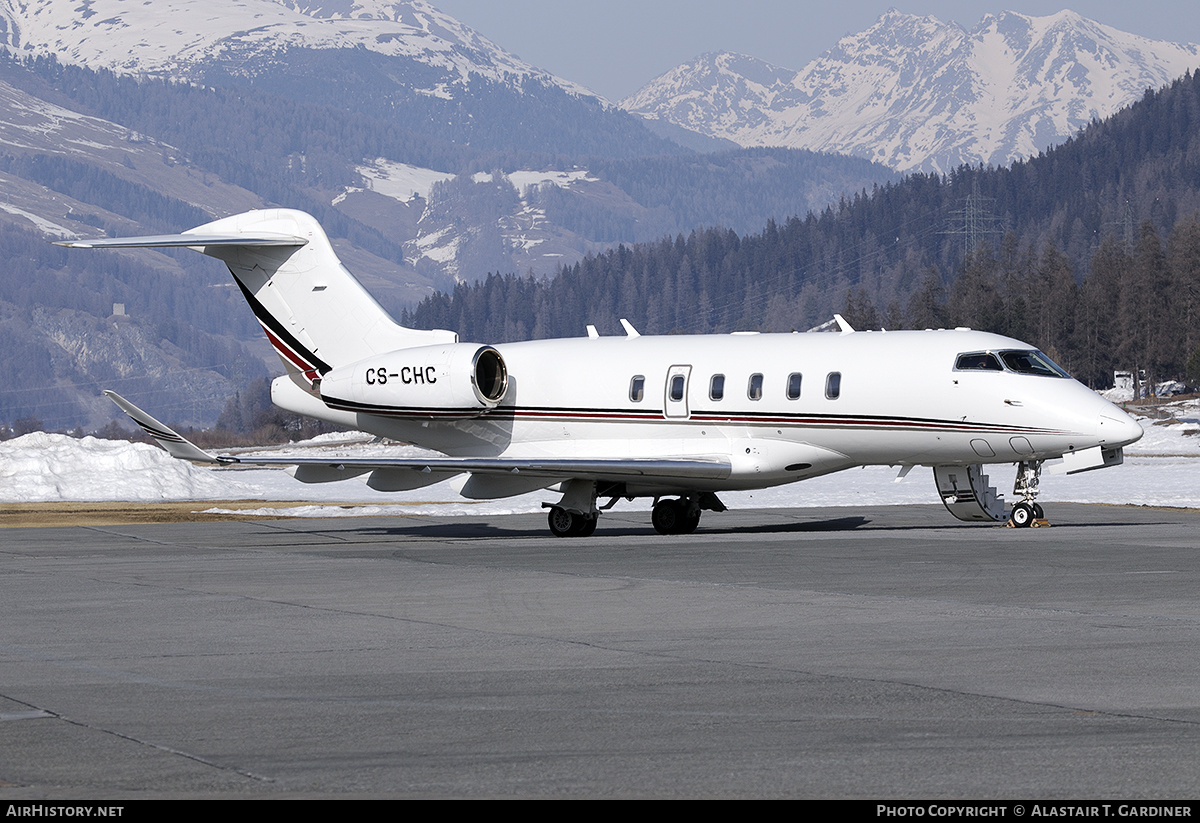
<point x="455" y="380"/>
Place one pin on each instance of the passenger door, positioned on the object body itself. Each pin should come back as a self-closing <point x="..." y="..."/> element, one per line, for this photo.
<point x="675" y="402"/>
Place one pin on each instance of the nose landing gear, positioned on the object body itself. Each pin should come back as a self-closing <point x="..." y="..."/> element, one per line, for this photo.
<point x="1027" y="513"/>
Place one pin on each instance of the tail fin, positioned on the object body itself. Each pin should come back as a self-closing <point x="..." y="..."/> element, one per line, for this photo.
<point x="314" y="312"/>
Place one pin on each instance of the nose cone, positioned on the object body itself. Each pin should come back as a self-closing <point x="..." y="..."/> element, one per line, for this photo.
<point x="1118" y="429"/>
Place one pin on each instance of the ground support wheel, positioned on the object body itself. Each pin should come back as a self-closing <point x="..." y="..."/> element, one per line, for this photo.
<point x="565" y="523"/>
<point x="1022" y="515"/>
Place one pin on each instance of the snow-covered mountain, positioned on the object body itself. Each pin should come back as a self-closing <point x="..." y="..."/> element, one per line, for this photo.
<point x="915" y="93"/>
<point x="183" y="39"/>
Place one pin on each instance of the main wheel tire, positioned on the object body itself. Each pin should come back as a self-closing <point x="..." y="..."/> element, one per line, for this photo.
<point x="569" y="524"/>
<point x="562" y="522"/>
<point x="689" y="523"/>
<point x="1038" y="514"/>
<point x="1022" y="515"/>
<point x="666" y="516"/>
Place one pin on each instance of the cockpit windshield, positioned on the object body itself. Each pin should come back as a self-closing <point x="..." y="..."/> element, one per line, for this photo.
<point x="1021" y="362"/>
<point x="978" y="361"/>
<point x="1031" y="362"/>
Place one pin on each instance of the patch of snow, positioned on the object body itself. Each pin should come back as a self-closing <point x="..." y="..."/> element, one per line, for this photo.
<point x="44" y="225"/>
<point x="522" y="180"/>
<point x="401" y="181"/>
<point x="349" y="191"/>
<point x="441" y="246"/>
<point x="41" y="467"/>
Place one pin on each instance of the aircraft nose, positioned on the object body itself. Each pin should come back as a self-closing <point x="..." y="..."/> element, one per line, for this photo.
<point x="1118" y="428"/>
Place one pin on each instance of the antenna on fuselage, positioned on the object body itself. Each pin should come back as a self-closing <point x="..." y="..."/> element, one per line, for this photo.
<point x="630" y="331"/>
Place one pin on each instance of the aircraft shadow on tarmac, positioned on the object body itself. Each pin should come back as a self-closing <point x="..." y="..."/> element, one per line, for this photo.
<point x="506" y="527"/>
<point x="617" y="528"/>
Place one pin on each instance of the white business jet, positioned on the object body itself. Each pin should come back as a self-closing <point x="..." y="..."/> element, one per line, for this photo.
<point x="677" y="419"/>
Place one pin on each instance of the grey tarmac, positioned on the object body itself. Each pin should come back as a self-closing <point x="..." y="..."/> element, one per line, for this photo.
<point x="876" y="652"/>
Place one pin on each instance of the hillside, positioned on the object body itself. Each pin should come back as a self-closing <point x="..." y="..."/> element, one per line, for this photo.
<point x="90" y="152"/>
<point x="1091" y="250"/>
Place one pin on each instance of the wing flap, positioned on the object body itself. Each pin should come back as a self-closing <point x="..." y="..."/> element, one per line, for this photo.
<point x="614" y="469"/>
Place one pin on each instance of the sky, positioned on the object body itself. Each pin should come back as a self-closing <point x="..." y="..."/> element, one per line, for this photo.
<point x="614" y="47"/>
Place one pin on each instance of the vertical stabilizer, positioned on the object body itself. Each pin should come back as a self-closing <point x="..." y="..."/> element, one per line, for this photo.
<point x="315" y="313"/>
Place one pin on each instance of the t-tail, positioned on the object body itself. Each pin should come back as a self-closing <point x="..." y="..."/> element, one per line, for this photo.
<point x="315" y="313"/>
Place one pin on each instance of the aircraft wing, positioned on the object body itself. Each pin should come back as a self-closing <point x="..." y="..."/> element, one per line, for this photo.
<point x="557" y="468"/>
<point x="615" y="469"/>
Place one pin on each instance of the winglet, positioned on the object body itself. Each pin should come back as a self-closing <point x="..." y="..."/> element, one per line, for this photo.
<point x="175" y="444"/>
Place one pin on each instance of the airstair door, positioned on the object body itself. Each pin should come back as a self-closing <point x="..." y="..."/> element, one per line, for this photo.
<point x="675" y="402"/>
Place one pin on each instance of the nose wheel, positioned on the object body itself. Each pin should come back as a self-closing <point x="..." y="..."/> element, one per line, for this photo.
<point x="1027" y="513"/>
<point x="1024" y="514"/>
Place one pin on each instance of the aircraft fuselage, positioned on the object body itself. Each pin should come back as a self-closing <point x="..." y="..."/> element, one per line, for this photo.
<point x="779" y="407"/>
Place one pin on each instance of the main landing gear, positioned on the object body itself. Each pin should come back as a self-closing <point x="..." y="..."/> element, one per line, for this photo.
<point x="564" y="523"/>
<point x="576" y="514"/>
<point x="680" y="516"/>
<point x="1027" y="513"/>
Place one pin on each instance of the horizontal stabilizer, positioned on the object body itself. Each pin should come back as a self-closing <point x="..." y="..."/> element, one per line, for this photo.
<point x="164" y="241"/>
<point x="172" y="441"/>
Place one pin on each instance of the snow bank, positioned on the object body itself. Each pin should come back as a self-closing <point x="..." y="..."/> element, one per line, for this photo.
<point x="41" y="467"/>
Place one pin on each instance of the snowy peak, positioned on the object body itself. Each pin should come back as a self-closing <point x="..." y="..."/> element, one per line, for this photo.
<point x="916" y="93"/>
<point x="177" y="38"/>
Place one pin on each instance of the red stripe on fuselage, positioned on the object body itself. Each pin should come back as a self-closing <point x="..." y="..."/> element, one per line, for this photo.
<point x="287" y="353"/>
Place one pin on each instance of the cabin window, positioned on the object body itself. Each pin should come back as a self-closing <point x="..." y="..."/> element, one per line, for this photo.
<point x="716" y="387"/>
<point x="978" y="361"/>
<point x="637" y="388"/>
<point x="793" y="386"/>
<point x="833" y="385"/>
<point x="754" y="389"/>
<point x="677" y="387"/>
